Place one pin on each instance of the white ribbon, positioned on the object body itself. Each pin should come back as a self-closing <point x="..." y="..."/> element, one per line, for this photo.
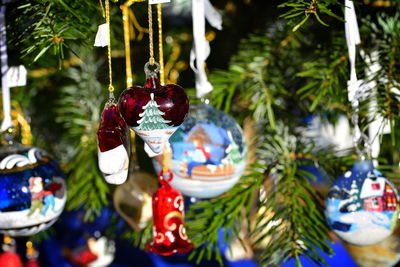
<point x="202" y="9"/>
<point x="378" y="124"/>
<point x="17" y="76"/>
<point x="352" y="39"/>
<point x="212" y="16"/>
<point x="101" y="39"/>
<point x="5" y="88"/>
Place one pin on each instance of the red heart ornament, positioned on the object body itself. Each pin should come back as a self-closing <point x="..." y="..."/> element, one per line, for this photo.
<point x="154" y="112"/>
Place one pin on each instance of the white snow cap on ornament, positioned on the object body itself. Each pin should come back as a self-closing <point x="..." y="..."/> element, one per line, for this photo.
<point x="5" y="87"/>
<point x="202" y="9"/>
<point x="114" y="164"/>
<point x="101" y="39"/>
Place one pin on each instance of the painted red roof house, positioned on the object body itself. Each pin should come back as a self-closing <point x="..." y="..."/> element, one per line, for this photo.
<point x="378" y="195"/>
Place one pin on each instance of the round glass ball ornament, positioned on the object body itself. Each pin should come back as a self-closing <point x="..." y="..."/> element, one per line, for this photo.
<point x="208" y="153"/>
<point x="362" y="205"/>
<point x="32" y="190"/>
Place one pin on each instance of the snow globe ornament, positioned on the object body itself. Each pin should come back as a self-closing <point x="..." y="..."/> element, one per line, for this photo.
<point x="154" y="112"/>
<point x="208" y="153"/>
<point x="32" y="190"/>
<point x="362" y="205"/>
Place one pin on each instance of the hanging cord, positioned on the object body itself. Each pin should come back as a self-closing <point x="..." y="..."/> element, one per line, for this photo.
<point x="110" y="86"/>
<point x="103" y="12"/>
<point x="160" y="43"/>
<point x="125" y="19"/>
<point x="166" y="155"/>
<point x="151" y="58"/>
<point x="354" y="86"/>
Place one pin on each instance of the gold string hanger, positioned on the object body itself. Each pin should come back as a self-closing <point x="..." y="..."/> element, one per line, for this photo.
<point x="160" y="43"/>
<point x="151" y="48"/>
<point x="110" y="85"/>
<point x="130" y="22"/>
<point x="160" y="40"/>
<point x="128" y="65"/>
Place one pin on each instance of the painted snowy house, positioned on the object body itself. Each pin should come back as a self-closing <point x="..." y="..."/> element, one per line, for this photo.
<point x="378" y="195"/>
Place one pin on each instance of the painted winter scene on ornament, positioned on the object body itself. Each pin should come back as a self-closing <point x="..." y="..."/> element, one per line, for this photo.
<point x="32" y="190"/>
<point x="208" y="153"/>
<point x="362" y="205"/>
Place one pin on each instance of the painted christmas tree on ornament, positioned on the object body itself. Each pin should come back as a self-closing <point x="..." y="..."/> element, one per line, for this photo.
<point x="154" y="112"/>
<point x="151" y="118"/>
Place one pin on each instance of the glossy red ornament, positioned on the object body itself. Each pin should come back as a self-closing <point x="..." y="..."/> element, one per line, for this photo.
<point x="113" y="130"/>
<point x="32" y="263"/>
<point x="10" y="259"/>
<point x="169" y="233"/>
<point x="83" y="257"/>
<point x="154" y="112"/>
<point x="113" y="145"/>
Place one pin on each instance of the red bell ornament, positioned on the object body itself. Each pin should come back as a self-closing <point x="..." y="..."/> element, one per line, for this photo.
<point x="113" y="145"/>
<point x="154" y="112"/>
<point x="169" y="233"/>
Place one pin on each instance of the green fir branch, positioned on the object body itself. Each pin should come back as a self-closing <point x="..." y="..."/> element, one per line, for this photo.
<point x="258" y="77"/>
<point x="79" y="112"/>
<point x="299" y="12"/>
<point x="227" y="213"/>
<point x="282" y="226"/>
<point x="42" y="27"/>
<point x="86" y="185"/>
<point x="325" y="78"/>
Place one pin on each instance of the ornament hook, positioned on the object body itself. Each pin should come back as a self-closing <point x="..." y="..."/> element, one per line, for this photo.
<point x="164" y="180"/>
<point x="151" y="73"/>
<point x="9" y="135"/>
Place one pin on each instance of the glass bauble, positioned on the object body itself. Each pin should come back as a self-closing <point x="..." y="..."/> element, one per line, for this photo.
<point x="132" y="200"/>
<point x="208" y="153"/>
<point x="362" y="205"/>
<point x="384" y="253"/>
<point x="32" y="190"/>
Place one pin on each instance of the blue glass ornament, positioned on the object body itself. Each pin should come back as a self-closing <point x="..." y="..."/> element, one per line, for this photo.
<point x="32" y="190"/>
<point x="362" y="205"/>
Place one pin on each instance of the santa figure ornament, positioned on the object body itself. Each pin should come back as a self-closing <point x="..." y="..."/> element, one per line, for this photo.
<point x="113" y="145"/>
<point x="169" y="234"/>
<point x="154" y="112"/>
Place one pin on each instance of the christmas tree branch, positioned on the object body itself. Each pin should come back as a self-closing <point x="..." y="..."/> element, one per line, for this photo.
<point x="79" y="112"/>
<point x="298" y="12"/>
<point x="40" y="27"/>
<point x="225" y="213"/>
<point x="281" y="228"/>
